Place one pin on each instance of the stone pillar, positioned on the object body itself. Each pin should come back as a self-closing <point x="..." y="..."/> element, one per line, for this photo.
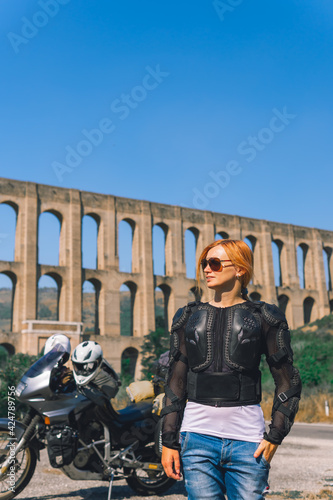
<point x="259" y="256"/>
<point x="27" y="240"/>
<point x="289" y="260"/>
<point x="291" y="277"/>
<point x="247" y="230"/>
<point x="266" y="265"/>
<point x="110" y="295"/>
<point x="319" y="274"/>
<point x="169" y="250"/>
<point x="17" y="291"/>
<point x="71" y="311"/>
<point x="235" y="232"/>
<point x="145" y="307"/>
<point x="206" y="236"/>
<point x="309" y="268"/>
<point x="177" y="266"/>
<point x="107" y="236"/>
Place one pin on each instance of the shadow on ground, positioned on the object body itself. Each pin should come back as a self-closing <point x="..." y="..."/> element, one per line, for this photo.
<point x="118" y="492"/>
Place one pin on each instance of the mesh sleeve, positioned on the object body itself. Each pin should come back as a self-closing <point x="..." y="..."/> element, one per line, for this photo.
<point x="287" y="381"/>
<point x="175" y="391"/>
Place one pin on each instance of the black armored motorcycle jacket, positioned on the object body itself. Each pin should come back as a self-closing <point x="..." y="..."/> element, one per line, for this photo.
<point x="214" y="360"/>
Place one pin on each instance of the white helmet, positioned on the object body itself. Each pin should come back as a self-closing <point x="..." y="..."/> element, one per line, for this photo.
<point x="86" y="358"/>
<point x="58" y="340"/>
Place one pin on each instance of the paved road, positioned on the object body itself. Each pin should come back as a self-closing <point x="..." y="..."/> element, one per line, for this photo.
<point x="304" y="463"/>
<point x="314" y="431"/>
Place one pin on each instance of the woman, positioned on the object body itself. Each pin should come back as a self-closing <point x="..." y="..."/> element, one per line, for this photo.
<point x="213" y="386"/>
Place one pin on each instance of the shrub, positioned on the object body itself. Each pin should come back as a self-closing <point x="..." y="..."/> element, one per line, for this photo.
<point x="154" y="344"/>
<point x="11" y="373"/>
<point x="313" y="356"/>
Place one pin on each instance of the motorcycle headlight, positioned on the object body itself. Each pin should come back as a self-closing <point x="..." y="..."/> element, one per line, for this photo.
<point x="19" y="389"/>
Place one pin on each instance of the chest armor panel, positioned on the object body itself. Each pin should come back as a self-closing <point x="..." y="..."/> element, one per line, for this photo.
<point x="243" y="342"/>
<point x="198" y="336"/>
<point x="241" y="338"/>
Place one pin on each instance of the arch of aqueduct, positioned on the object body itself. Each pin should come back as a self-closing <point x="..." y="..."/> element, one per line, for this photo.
<point x="29" y="200"/>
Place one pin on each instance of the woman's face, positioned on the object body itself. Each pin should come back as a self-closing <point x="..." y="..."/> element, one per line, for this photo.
<point x="224" y="279"/>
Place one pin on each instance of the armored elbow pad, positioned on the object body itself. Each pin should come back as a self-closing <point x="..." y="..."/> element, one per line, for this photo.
<point x="287" y="401"/>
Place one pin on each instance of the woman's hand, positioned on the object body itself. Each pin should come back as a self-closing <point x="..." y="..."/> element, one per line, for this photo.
<point x="268" y="449"/>
<point x="171" y="463"/>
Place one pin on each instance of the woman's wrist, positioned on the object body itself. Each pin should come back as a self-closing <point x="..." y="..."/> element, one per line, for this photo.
<point x="170" y="440"/>
<point x="273" y="437"/>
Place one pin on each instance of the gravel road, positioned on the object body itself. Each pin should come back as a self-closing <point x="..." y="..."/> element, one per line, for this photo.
<point x="304" y="463"/>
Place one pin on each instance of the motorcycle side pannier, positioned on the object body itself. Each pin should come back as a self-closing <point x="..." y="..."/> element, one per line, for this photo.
<point x="61" y="445"/>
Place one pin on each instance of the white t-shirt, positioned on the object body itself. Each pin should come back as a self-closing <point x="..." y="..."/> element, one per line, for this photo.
<point x="243" y="423"/>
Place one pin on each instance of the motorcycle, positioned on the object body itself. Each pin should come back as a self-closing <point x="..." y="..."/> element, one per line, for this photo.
<point x="86" y="438"/>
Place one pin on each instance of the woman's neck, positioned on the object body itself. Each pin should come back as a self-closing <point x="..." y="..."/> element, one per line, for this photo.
<point x="226" y="299"/>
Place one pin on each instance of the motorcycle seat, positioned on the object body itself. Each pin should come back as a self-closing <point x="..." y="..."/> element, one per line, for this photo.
<point x="135" y="412"/>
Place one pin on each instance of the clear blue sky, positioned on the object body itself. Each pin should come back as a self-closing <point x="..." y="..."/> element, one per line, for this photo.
<point x="182" y="91"/>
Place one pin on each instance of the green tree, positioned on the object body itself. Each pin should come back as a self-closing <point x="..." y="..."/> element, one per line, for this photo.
<point x="5" y="311"/>
<point x="3" y="355"/>
<point x="11" y="373"/>
<point x="313" y="356"/>
<point x="154" y="344"/>
<point x="125" y="314"/>
<point x="126" y="372"/>
<point x="314" y="359"/>
<point x="44" y="312"/>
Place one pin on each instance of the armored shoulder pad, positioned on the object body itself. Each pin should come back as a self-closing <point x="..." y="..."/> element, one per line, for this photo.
<point x="272" y="314"/>
<point x="181" y="316"/>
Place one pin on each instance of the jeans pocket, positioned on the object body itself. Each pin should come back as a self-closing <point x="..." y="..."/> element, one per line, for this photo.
<point x="264" y="462"/>
<point x="183" y="439"/>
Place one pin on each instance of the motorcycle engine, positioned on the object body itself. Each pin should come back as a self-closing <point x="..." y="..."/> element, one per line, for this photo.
<point x="82" y="458"/>
<point x="91" y="431"/>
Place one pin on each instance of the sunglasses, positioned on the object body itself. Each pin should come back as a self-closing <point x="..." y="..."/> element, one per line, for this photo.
<point x="214" y="263"/>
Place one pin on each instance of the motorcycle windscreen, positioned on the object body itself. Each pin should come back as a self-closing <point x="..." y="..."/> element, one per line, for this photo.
<point x="35" y="383"/>
<point x="46" y="362"/>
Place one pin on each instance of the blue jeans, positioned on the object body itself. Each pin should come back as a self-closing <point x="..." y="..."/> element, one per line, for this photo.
<point x="214" y="466"/>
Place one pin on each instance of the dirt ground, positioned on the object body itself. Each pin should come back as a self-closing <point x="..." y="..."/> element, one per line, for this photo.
<point x="301" y="469"/>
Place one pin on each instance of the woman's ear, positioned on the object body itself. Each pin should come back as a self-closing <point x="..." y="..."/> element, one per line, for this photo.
<point x="239" y="272"/>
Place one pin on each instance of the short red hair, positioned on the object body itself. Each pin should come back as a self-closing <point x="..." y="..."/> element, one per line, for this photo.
<point x="238" y="252"/>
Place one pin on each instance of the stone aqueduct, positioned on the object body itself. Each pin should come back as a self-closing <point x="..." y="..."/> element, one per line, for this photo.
<point x="29" y="200"/>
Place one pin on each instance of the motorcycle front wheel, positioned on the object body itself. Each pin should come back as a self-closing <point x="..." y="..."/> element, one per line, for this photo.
<point x="19" y="472"/>
<point x="149" y="482"/>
